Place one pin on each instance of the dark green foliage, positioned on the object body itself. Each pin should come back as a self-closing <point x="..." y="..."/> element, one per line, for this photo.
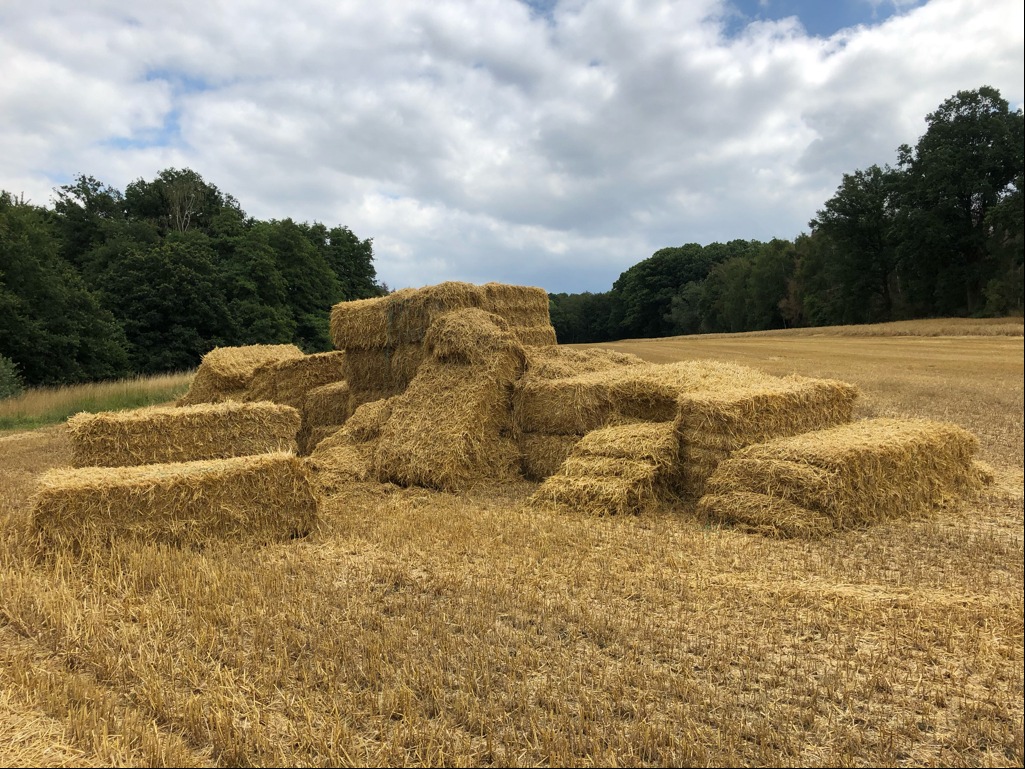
<point x="51" y="325"/>
<point x="961" y="168"/>
<point x="105" y="284"/>
<point x="11" y="383"/>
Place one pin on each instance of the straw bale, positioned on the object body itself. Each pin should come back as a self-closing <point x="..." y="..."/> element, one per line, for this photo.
<point x="535" y="336"/>
<point x="289" y="381"/>
<point x="382" y="370"/>
<point x="851" y="475"/>
<point x="404" y="316"/>
<point x="542" y="454"/>
<point x="160" y="434"/>
<point x="614" y="470"/>
<point x="327" y="405"/>
<point x="225" y="372"/>
<point x="713" y="424"/>
<point x="452" y="426"/>
<point x="470" y="336"/>
<point x="347" y="455"/>
<point x="368" y="420"/>
<point x="561" y="362"/>
<point x="260" y="498"/>
<point x="338" y="461"/>
<point x="647" y="392"/>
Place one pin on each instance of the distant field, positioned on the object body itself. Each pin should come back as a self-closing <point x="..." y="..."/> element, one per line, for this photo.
<point x="422" y="628"/>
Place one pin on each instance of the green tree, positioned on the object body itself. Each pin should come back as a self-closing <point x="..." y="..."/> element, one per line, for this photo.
<point x="51" y="325"/>
<point x="171" y="302"/>
<point x="1006" y="246"/>
<point x="857" y="223"/>
<point x="964" y="164"/>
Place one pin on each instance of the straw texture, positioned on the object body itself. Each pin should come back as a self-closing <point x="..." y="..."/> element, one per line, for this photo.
<point x="614" y="470"/>
<point x="161" y="434"/>
<point x="266" y="497"/>
<point x="848" y="476"/>
<point x="225" y="372"/>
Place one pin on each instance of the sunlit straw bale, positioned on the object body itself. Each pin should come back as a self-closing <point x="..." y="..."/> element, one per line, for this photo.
<point x="848" y="476"/>
<point x="712" y="424"/>
<point x="404" y="316"/>
<point x="561" y="362"/>
<point x="266" y="497"/>
<point x="577" y="404"/>
<point x="614" y="470"/>
<point x="289" y="381"/>
<point x="225" y="372"/>
<point x="160" y="434"/>
<point x="452" y="426"/>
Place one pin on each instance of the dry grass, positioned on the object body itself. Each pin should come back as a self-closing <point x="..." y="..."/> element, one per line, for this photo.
<point x="43" y="406"/>
<point x="426" y="628"/>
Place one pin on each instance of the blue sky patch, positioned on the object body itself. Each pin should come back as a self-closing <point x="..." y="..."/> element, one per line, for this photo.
<point x="820" y="18"/>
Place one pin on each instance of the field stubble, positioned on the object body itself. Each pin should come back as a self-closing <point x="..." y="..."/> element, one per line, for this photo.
<point x="416" y="627"/>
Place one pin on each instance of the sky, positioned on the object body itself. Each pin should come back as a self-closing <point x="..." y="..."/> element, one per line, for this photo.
<point x="550" y="143"/>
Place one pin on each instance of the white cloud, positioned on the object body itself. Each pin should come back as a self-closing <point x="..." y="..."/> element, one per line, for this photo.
<point x="483" y="141"/>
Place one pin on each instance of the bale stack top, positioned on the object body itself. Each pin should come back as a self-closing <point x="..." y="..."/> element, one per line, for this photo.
<point x="403" y="317"/>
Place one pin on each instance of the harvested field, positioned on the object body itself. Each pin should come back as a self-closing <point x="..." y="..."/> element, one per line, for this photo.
<point x="262" y="498"/>
<point x="161" y="434"/>
<point x="423" y="628"/>
<point x="853" y="475"/>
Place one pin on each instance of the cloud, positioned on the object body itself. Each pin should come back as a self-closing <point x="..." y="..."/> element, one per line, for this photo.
<point x="552" y="144"/>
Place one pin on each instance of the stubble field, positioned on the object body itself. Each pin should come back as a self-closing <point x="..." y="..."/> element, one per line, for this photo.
<point x="424" y="628"/>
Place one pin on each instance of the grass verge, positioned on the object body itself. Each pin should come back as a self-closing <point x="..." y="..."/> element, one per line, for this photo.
<point x="49" y="405"/>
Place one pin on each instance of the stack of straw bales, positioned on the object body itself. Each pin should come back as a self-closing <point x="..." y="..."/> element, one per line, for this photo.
<point x="158" y="435"/>
<point x="290" y="380"/>
<point x="717" y="408"/>
<point x="293" y="381"/>
<point x="543" y="449"/>
<point x="847" y="476"/>
<point x="383" y="337"/>
<point x="752" y="408"/>
<point x="452" y="426"/>
<point x="259" y="498"/>
<point x="614" y="470"/>
<point x="225" y="372"/>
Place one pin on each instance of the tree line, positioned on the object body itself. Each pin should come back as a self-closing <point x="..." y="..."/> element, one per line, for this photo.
<point x="940" y="234"/>
<point x="109" y="283"/>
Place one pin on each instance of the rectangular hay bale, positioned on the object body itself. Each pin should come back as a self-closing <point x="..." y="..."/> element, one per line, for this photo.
<point x="262" y="498"/>
<point x="225" y="372"/>
<point x="403" y="317"/>
<point x="161" y="434"/>
<point x="289" y="381"/>
<point x="614" y="470"/>
<point x="648" y="392"/>
<point x="852" y="475"/>
<point x="713" y="424"/>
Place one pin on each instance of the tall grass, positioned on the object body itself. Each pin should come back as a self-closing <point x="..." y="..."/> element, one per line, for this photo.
<point x="48" y="405"/>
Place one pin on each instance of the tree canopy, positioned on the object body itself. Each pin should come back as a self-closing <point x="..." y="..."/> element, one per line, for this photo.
<point x="107" y="284"/>
<point x="939" y="234"/>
